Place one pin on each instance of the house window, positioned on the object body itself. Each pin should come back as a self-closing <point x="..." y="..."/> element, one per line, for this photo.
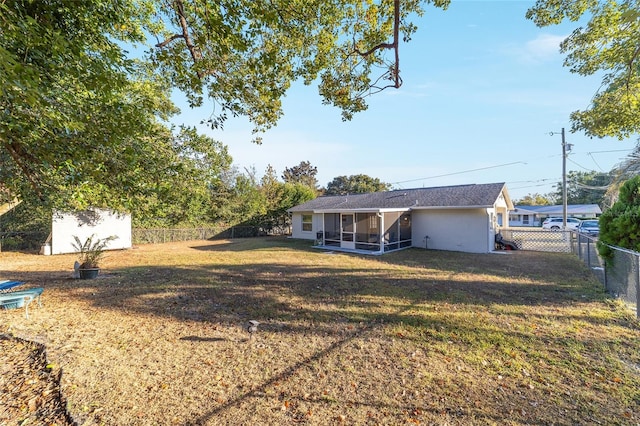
<point x="307" y="222"/>
<point x="525" y="219"/>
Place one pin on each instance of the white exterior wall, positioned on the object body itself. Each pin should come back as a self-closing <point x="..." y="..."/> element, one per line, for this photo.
<point x="452" y="229"/>
<point x="103" y="224"/>
<point x="296" y="225"/>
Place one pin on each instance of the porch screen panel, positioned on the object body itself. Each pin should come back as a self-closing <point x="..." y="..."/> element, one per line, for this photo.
<point x="332" y="229"/>
<point x="391" y="231"/>
<point x="367" y="231"/>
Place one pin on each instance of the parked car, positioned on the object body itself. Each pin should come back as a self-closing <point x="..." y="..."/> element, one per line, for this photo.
<point x="589" y="227"/>
<point x="555" y="223"/>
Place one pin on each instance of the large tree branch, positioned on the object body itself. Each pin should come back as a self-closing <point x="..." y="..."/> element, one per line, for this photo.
<point x="632" y="61"/>
<point x="196" y="55"/>
<point x="394" y="71"/>
<point x="24" y="160"/>
<point x="169" y="40"/>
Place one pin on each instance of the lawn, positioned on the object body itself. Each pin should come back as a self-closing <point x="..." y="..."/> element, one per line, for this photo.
<point x="412" y="337"/>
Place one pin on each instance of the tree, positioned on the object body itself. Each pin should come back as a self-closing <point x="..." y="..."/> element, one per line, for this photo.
<point x="80" y="123"/>
<point x="83" y="121"/>
<point x="287" y="195"/>
<point x="608" y="44"/>
<point x="355" y="184"/>
<point x="303" y="173"/>
<point x="244" y="56"/>
<point x="181" y="195"/>
<point x="585" y="187"/>
<point x="622" y="172"/>
<point x="620" y="225"/>
<point x="534" y="200"/>
<point x="237" y="198"/>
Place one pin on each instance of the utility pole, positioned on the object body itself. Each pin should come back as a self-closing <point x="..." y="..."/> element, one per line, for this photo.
<point x="565" y="148"/>
<point x="564" y="181"/>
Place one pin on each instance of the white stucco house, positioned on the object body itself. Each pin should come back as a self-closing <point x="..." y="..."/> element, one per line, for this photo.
<point x="457" y="218"/>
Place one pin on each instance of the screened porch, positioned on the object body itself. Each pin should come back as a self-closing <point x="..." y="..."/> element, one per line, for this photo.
<point x="369" y="232"/>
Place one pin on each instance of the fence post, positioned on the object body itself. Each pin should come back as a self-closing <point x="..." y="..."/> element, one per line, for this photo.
<point x="637" y="286"/>
<point x="589" y="252"/>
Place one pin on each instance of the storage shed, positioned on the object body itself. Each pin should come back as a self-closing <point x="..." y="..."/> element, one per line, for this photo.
<point x="98" y="222"/>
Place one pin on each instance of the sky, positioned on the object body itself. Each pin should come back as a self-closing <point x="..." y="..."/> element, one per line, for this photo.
<point x="483" y="91"/>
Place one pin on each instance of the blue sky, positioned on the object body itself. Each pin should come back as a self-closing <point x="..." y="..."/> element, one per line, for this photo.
<point x="483" y="88"/>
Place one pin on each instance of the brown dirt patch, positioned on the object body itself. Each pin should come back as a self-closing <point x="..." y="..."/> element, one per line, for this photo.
<point x="416" y="337"/>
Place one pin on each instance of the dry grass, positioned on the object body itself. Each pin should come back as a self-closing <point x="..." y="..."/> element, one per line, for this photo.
<point x="414" y="337"/>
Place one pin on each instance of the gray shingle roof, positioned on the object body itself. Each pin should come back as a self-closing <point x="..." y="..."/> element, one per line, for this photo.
<point x="474" y="195"/>
<point x="557" y="209"/>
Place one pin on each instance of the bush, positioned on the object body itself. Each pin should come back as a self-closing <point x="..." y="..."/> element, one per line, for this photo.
<point x="620" y="225"/>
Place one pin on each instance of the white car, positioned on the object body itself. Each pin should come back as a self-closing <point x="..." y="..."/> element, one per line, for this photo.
<point x="555" y="223"/>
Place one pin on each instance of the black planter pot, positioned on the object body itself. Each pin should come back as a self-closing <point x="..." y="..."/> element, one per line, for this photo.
<point x="88" y="273"/>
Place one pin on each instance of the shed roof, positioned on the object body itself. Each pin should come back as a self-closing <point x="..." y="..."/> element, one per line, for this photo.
<point x="461" y="196"/>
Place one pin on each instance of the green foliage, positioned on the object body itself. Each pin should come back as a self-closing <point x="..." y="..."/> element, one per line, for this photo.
<point x="620" y="225"/>
<point x="245" y="56"/>
<point x="608" y="44"/>
<point x="534" y="200"/>
<point x="303" y="173"/>
<point x="287" y="195"/>
<point x="238" y="198"/>
<point x="622" y="172"/>
<point x="355" y="184"/>
<point x="84" y="124"/>
<point x="80" y="121"/>
<point x="179" y="194"/>
<point x="27" y="216"/>
<point x="92" y="250"/>
<point x="584" y="187"/>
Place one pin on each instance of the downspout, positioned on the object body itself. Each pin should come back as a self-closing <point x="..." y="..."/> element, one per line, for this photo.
<point x="491" y="231"/>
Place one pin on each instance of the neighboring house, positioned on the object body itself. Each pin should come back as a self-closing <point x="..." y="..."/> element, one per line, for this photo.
<point x="535" y="215"/>
<point x="84" y="224"/>
<point x="457" y="218"/>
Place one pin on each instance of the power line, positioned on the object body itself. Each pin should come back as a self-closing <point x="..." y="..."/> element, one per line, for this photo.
<point x="460" y="172"/>
<point x="590" y="153"/>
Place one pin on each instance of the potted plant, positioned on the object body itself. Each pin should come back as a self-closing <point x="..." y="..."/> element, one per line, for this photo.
<point x="90" y="254"/>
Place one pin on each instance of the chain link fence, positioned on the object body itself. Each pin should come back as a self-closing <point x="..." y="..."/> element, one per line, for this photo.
<point x="166" y="235"/>
<point x="586" y="248"/>
<point x="539" y="239"/>
<point x="619" y="275"/>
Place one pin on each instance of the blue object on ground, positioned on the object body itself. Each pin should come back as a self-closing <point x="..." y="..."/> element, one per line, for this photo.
<point x="18" y="299"/>
<point x="8" y="285"/>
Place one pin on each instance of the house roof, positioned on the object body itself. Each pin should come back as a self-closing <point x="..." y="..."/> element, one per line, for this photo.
<point x="461" y="196"/>
<point x="572" y="209"/>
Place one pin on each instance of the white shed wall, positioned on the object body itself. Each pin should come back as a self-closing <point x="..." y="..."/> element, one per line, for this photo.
<point x="451" y="229"/>
<point x="102" y="223"/>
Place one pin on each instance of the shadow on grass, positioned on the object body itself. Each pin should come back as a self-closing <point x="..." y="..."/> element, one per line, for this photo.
<point x="330" y="291"/>
<point x="402" y="290"/>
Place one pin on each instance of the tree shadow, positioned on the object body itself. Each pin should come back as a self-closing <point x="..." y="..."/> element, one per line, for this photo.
<point x="317" y="299"/>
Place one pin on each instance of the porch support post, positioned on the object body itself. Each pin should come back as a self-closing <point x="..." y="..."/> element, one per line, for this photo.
<point x="381" y="232"/>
